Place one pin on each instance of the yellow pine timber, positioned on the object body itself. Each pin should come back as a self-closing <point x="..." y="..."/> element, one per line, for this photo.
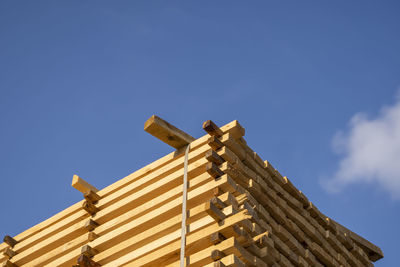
<point x="167" y="132"/>
<point x="373" y="251"/>
<point x="101" y="243"/>
<point x="165" y="227"/>
<point x="202" y="257"/>
<point x="111" y="211"/>
<point x="233" y="127"/>
<point x="228" y="261"/>
<point x="81" y="185"/>
<point x="140" y="258"/>
<point x="231" y="144"/>
<point x="78" y="242"/>
<point x="59" y="226"/>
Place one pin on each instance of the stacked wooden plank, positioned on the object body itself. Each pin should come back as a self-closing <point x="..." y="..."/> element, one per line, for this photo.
<point x="240" y="212"/>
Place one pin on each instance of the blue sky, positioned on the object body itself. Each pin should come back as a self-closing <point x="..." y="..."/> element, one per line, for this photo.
<point x="313" y="82"/>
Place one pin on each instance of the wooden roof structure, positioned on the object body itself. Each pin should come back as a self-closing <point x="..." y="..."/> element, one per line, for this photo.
<point x="240" y="212"/>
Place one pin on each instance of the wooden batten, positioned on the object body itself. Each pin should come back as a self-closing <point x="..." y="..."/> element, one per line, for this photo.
<point x="10" y="241"/>
<point x="81" y="185"/>
<point x="85" y="261"/>
<point x="91" y="196"/>
<point x="8" y="263"/>
<point x="167" y="133"/>
<point x="9" y="253"/>
<point x="212" y="129"/>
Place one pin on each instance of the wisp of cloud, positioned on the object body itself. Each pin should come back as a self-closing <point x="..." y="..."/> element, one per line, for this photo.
<point x="370" y="152"/>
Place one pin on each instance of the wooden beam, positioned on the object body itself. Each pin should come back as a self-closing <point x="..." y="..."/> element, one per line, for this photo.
<point x="212" y="129"/>
<point x="9" y="253"/>
<point x="81" y="185"/>
<point x="85" y="261"/>
<point x="91" y="196"/>
<point x="110" y="194"/>
<point x="8" y="263"/>
<point x="167" y="133"/>
<point x="88" y="251"/>
<point x="90" y="225"/>
<point x="10" y="241"/>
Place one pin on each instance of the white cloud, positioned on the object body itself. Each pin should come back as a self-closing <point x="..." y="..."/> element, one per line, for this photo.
<point x="370" y="152"/>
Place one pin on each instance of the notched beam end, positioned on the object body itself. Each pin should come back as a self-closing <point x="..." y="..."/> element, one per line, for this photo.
<point x="88" y="251"/>
<point x="217" y="255"/>
<point x="214" y="212"/>
<point x="90" y="225"/>
<point x="9" y="253"/>
<point x="216" y="238"/>
<point x="8" y="263"/>
<point x="214" y="143"/>
<point x="213" y="156"/>
<point x="213" y="170"/>
<point x="89" y="207"/>
<point x="212" y="129"/>
<point x="91" y="196"/>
